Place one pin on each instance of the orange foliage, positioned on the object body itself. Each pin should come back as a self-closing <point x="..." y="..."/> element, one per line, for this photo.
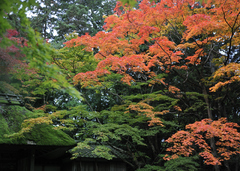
<point x="125" y="31"/>
<point x="226" y="135"/>
<point x="43" y="108"/>
<point x="119" y="51"/>
<point x="173" y="89"/>
<point x="146" y="109"/>
<point x="199" y="29"/>
<point x="231" y="71"/>
<point x="119" y="45"/>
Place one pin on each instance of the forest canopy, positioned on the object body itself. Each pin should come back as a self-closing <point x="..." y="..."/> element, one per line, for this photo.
<point x="155" y="80"/>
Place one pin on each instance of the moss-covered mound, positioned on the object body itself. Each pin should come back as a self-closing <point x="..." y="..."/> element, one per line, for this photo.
<point x="45" y="135"/>
<point x="11" y="118"/>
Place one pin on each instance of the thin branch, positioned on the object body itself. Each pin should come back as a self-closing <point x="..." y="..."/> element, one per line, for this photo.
<point x="209" y="55"/>
<point x="233" y="31"/>
<point x="173" y="28"/>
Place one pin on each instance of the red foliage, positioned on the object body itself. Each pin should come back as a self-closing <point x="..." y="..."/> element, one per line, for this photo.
<point x="199" y="30"/>
<point x="127" y="29"/>
<point x="11" y="56"/>
<point x="11" y="33"/>
<point x="198" y="136"/>
<point x="119" y="45"/>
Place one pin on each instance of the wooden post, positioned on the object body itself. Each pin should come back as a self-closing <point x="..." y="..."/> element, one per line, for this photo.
<point x="32" y="160"/>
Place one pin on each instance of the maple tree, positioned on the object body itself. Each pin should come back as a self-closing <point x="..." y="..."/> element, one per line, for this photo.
<point x="194" y="46"/>
<point x="226" y="134"/>
<point x="105" y="103"/>
<point x="193" y="43"/>
<point x="26" y="65"/>
<point x="153" y="70"/>
<point x="30" y="48"/>
<point x="11" y="56"/>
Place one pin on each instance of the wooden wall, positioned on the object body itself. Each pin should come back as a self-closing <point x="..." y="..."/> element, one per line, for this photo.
<point x="96" y="165"/>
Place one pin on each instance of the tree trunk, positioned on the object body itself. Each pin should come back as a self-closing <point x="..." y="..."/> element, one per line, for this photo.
<point x="237" y="166"/>
<point x="212" y="140"/>
<point x="205" y="94"/>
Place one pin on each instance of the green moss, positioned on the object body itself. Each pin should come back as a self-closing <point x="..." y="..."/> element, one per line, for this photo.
<point x="3" y="130"/>
<point x="7" y="88"/>
<point x="45" y="135"/>
<point x="14" y="115"/>
<point x="11" y="118"/>
<point x="13" y="102"/>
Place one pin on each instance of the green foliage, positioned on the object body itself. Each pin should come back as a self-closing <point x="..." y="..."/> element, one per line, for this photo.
<point x="16" y="7"/>
<point x="149" y="167"/>
<point x="108" y="113"/>
<point x="74" y="60"/>
<point x="4" y="130"/>
<point x="7" y="88"/>
<point x="64" y="17"/>
<point x="14" y="116"/>
<point x="182" y="164"/>
<point x="103" y="152"/>
<point x="132" y="3"/>
<point x="11" y="119"/>
<point x="38" y="54"/>
<point x="197" y="101"/>
<point x="127" y="132"/>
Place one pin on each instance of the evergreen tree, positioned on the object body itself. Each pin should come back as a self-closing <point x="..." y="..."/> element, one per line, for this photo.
<point x="66" y="16"/>
<point x="44" y="16"/>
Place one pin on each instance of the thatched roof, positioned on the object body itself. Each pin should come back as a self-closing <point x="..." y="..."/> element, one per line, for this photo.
<point x="11" y="99"/>
<point x="9" y="95"/>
